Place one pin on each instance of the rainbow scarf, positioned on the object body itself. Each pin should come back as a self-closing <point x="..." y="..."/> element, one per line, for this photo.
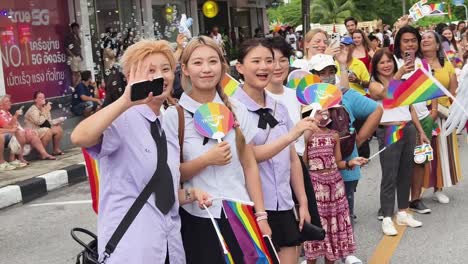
<point x="229" y="84"/>
<point x="420" y="87"/>
<point x="92" y="167"/>
<point x="245" y="228"/>
<point x="393" y="134"/>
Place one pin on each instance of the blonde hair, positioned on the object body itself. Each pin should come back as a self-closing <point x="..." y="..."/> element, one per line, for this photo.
<point x="187" y="84"/>
<point x="309" y="36"/>
<point x="143" y="48"/>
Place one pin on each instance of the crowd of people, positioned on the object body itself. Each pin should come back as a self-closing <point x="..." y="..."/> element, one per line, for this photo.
<point x="293" y="166"/>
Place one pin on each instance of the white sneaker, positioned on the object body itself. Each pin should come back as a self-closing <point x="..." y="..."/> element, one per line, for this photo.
<point x="403" y="218"/>
<point x="18" y="164"/>
<point x="352" y="260"/>
<point x="5" y="166"/>
<point x="388" y="228"/>
<point x="440" y="197"/>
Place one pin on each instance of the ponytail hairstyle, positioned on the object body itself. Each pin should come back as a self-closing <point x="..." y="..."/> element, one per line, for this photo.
<point x="187" y="84"/>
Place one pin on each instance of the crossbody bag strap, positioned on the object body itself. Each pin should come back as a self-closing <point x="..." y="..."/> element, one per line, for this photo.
<point x="181" y="130"/>
<point x="128" y="218"/>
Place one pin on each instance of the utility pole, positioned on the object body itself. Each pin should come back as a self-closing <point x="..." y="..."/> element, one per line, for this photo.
<point x="403" y="2"/>
<point x="305" y="16"/>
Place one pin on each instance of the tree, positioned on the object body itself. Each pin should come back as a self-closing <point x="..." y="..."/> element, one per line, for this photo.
<point x="332" y="11"/>
<point x="286" y="13"/>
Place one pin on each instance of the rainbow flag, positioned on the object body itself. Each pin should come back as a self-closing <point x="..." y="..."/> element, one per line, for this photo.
<point x="452" y="57"/>
<point x="245" y="228"/>
<point x="393" y="134"/>
<point x="229" y="84"/>
<point x="420" y="87"/>
<point x="92" y="167"/>
<point x="437" y="7"/>
<point x="227" y="254"/>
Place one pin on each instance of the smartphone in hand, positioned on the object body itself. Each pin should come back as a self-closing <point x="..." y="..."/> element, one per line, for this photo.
<point x="140" y="90"/>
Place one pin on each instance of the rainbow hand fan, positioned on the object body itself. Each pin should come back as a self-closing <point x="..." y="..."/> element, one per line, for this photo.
<point x="213" y="120"/>
<point x="322" y="96"/>
<point x="305" y="82"/>
<point x="295" y="77"/>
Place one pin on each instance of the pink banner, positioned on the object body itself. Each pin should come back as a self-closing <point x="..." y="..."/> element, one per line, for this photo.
<point x="32" y="34"/>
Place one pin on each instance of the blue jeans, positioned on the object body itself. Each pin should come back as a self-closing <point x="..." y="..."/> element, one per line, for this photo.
<point x="350" y="189"/>
<point x="78" y="109"/>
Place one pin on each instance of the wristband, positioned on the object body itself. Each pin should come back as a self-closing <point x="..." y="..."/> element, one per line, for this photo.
<point x="262" y="218"/>
<point x="347" y="165"/>
<point x="258" y="214"/>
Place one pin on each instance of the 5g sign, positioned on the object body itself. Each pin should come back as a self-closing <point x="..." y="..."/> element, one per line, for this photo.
<point x="37" y="17"/>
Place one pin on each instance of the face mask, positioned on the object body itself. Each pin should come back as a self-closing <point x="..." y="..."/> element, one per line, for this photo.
<point x="330" y="79"/>
<point x="325" y="121"/>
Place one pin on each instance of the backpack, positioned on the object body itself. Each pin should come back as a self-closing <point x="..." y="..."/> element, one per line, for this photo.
<point x="342" y="124"/>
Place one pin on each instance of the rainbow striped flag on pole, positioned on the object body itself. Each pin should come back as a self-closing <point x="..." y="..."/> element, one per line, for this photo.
<point x="393" y="133"/>
<point x="92" y="167"/>
<point x="420" y="87"/>
<point x="229" y="84"/>
<point x="246" y="230"/>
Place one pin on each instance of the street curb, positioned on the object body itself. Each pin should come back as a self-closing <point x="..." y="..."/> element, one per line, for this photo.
<point x="30" y="189"/>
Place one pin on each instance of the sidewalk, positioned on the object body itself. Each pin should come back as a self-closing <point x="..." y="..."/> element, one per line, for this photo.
<point x="26" y="184"/>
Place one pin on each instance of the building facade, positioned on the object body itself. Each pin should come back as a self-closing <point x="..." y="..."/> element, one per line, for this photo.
<point x="33" y="32"/>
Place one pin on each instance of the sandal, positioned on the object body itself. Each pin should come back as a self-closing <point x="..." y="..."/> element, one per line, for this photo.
<point x="49" y="158"/>
<point x="58" y="153"/>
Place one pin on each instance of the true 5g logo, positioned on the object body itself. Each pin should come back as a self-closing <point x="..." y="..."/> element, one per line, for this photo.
<point x="37" y="17"/>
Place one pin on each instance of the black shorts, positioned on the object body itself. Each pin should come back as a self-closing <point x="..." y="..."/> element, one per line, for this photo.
<point x="201" y="243"/>
<point x="284" y="228"/>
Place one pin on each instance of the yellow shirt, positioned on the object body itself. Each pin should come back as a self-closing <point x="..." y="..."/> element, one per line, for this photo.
<point x="359" y="68"/>
<point x="443" y="75"/>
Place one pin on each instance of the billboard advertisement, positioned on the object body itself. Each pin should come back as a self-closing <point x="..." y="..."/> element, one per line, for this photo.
<point x="32" y="34"/>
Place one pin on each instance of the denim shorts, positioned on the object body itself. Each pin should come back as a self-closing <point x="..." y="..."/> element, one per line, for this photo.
<point x="8" y="137"/>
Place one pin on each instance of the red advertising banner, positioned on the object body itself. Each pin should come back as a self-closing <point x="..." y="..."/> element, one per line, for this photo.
<point x="32" y="34"/>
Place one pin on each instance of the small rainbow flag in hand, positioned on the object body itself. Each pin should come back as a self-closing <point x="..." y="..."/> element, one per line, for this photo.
<point x="452" y="57"/>
<point x="246" y="230"/>
<point x="393" y="133"/>
<point x="92" y="167"/>
<point x="420" y="87"/>
<point x="229" y="84"/>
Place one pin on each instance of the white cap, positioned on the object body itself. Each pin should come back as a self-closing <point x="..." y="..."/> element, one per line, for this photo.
<point x="321" y="61"/>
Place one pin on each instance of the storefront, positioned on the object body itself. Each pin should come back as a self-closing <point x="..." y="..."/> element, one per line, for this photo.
<point x="33" y="31"/>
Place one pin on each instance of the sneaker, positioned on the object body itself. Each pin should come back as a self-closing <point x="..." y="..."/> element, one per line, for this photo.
<point x="380" y="215"/>
<point x="18" y="164"/>
<point x="419" y="207"/>
<point x="388" y="228"/>
<point x="440" y="197"/>
<point x="352" y="260"/>
<point x="403" y="218"/>
<point x="5" y="166"/>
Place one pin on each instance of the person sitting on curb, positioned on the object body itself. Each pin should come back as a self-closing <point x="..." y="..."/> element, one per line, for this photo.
<point x="83" y="102"/>
<point x="5" y="136"/>
<point x="21" y="135"/>
<point x="39" y="119"/>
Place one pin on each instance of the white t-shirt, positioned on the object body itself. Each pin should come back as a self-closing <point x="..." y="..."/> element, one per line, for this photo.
<point x="219" y="39"/>
<point x="288" y="98"/>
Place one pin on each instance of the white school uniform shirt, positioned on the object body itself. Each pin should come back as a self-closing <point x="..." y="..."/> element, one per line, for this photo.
<point x="288" y="98"/>
<point x="219" y="181"/>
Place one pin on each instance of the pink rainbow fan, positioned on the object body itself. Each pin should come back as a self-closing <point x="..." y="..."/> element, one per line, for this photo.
<point x="213" y="120"/>
<point x="295" y="77"/>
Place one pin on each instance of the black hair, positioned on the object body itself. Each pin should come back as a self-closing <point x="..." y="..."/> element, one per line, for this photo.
<point x="74" y="25"/>
<point x="280" y="44"/>
<point x="350" y="19"/>
<point x="403" y="30"/>
<point x="36" y="94"/>
<point x="250" y="44"/>
<point x="459" y="23"/>
<point x="440" y="27"/>
<point x="377" y="58"/>
<point x="453" y="41"/>
<point x="372" y="37"/>
<point x="85" y="76"/>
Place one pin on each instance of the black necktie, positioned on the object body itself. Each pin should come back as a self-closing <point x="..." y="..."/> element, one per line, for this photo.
<point x="265" y="117"/>
<point x="163" y="187"/>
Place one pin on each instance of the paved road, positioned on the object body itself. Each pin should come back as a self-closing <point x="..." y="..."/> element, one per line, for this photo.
<point x="41" y="234"/>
